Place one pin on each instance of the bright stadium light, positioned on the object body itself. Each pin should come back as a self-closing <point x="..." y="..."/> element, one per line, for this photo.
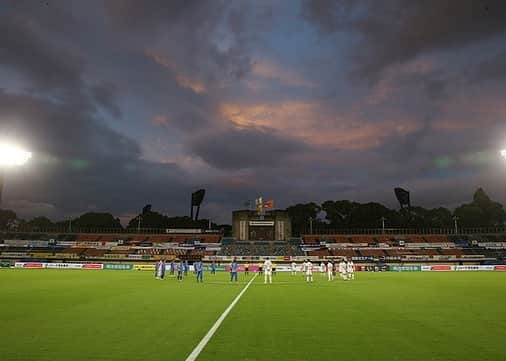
<point x="503" y="153"/>
<point x="11" y="155"/>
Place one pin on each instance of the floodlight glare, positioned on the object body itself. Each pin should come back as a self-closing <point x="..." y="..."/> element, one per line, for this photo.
<point x="503" y="153"/>
<point x="11" y="155"/>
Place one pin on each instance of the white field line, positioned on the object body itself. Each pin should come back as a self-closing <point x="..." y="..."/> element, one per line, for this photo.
<point x="198" y="349"/>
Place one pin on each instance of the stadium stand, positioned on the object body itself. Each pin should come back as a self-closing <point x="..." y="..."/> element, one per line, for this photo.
<point x="481" y="248"/>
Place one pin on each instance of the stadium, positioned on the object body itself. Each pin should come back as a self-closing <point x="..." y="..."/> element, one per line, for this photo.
<point x="252" y="180"/>
<point x="418" y="293"/>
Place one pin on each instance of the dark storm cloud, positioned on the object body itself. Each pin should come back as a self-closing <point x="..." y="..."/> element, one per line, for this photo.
<point x="237" y="148"/>
<point x="245" y="100"/>
<point x="395" y="31"/>
<point x="138" y="15"/>
<point x="23" y="49"/>
<point x="491" y="69"/>
<point x="105" y="95"/>
<point x="207" y="35"/>
<point x="79" y="162"/>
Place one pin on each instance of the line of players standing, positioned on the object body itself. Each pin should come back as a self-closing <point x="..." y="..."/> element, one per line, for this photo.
<point x="181" y="268"/>
<point x="345" y="268"/>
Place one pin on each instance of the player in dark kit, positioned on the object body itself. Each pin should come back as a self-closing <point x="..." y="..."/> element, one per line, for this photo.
<point x="180" y="270"/>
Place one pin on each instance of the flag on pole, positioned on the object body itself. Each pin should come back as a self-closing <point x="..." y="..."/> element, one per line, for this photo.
<point x="260" y="206"/>
<point x="269" y="204"/>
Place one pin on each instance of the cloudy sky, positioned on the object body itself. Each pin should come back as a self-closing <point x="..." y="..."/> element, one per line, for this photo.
<point x="130" y="102"/>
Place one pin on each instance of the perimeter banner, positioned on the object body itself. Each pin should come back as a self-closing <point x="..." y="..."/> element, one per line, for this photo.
<point x="93" y="266"/>
<point x="474" y="268"/>
<point x="442" y="267"/>
<point x="118" y="266"/>
<point x="29" y="265"/>
<point x="64" y="265"/>
<point x="144" y="267"/>
<point x="405" y="268"/>
<point x="58" y="265"/>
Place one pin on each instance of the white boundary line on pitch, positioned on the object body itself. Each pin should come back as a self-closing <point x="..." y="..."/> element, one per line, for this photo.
<point x="197" y="350"/>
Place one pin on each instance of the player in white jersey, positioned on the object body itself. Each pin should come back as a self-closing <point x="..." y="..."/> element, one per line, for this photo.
<point x="350" y="269"/>
<point x="309" y="271"/>
<point x="267" y="268"/>
<point x="294" y="269"/>
<point x="330" y="271"/>
<point x="303" y="269"/>
<point x="322" y="269"/>
<point x="342" y="269"/>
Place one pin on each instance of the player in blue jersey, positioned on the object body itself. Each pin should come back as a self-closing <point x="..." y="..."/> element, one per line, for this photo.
<point x="199" y="270"/>
<point x="172" y="268"/>
<point x="213" y="268"/>
<point x="186" y="268"/>
<point x="233" y="270"/>
<point x="180" y="270"/>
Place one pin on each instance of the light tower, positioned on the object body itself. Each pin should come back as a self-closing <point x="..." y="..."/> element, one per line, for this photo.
<point x="11" y="156"/>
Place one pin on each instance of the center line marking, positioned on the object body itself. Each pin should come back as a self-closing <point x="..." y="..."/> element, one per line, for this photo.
<point x="197" y="350"/>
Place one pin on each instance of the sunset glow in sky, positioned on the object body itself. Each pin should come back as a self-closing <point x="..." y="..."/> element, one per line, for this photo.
<point x="125" y="103"/>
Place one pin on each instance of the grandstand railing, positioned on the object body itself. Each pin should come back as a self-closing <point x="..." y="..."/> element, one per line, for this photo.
<point x="77" y="230"/>
<point x="316" y="231"/>
<point x="401" y="231"/>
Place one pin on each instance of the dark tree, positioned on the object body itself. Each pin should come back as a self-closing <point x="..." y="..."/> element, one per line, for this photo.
<point x="300" y="215"/>
<point x="8" y="219"/>
<point x="481" y="212"/>
<point x="39" y="223"/>
<point x="97" y="221"/>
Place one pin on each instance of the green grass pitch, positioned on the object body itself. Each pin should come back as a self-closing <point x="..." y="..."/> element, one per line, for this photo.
<point x="71" y="315"/>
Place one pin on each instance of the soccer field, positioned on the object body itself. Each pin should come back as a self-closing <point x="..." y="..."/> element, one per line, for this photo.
<point x="72" y="315"/>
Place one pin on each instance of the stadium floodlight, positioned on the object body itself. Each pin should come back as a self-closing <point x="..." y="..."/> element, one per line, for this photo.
<point x="503" y="153"/>
<point x="11" y="155"/>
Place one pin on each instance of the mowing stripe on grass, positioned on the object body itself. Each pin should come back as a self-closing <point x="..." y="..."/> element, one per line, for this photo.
<point x="197" y="350"/>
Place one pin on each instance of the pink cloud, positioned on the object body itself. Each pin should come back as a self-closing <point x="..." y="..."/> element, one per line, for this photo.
<point x="315" y="124"/>
<point x="160" y="120"/>
<point x="183" y="80"/>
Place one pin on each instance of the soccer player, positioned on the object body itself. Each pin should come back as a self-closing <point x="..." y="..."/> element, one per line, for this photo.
<point x="180" y="270"/>
<point x="164" y="267"/>
<point x="350" y="269"/>
<point x="322" y="269"/>
<point x="246" y="269"/>
<point x="294" y="269"/>
<point x="233" y="271"/>
<point x="330" y="271"/>
<point x="199" y="270"/>
<point x="186" y="267"/>
<point x="342" y="269"/>
<point x="157" y="269"/>
<point x="309" y="271"/>
<point x="213" y="268"/>
<point x="267" y="268"/>
<point x="172" y="267"/>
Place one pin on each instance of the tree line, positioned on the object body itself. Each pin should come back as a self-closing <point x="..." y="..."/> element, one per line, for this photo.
<point x="345" y="214"/>
<point x="94" y="221"/>
<point x="331" y="214"/>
